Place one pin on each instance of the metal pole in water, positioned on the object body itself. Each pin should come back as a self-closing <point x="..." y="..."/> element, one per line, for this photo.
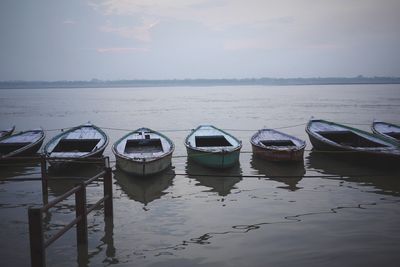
<point x="38" y="255"/>
<point x="81" y="226"/>
<point x="45" y="192"/>
<point x="108" y="202"/>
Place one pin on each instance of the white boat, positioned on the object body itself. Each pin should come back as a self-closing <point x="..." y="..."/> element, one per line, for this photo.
<point x="388" y="130"/>
<point x="80" y="142"/>
<point x="21" y="144"/>
<point x="143" y="152"/>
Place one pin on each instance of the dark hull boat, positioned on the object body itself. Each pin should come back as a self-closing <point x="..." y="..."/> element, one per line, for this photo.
<point x="388" y="130"/>
<point x="84" y="141"/>
<point x="273" y="145"/>
<point x="6" y="132"/>
<point x="143" y="152"/>
<point x="21" y="144"/>
<point x="212" y="147"/>
<point x="329" y="136"/>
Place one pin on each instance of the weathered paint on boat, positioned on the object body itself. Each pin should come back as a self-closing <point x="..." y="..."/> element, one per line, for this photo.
<point x="21" y="144"/>
<point x="368" y="144"/>
<point x="79" y="137"/>
<point x="6" y="132"/>
<point x="219" y="157"/>
<point x="273" y="145"/>
<point x="387" y="130"/>
<point x="141" y="162"/>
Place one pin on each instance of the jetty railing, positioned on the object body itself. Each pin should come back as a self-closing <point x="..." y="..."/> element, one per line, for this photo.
<point x="38" y="244"/>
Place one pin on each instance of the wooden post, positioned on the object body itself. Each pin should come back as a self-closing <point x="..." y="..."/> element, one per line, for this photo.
<point x="38" y="255"/>
<point x="108" y="202"/>
<point x="45" y="192"/>
<point x="80" y="207"/>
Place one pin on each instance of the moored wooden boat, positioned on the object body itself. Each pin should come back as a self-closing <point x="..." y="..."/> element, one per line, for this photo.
<point x="83" y="141"/>
<point x="143" y="152"/>
<point x="212" y="147"/>
<point x="21" y="144"/>
<point x="388" y="130"/>
<point x="273" y="145"/>
<point x="330" y="136"/>
<point x="6" y="132"/>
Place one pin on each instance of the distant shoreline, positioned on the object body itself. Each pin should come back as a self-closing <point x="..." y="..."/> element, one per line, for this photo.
<point x="196" y="82"/>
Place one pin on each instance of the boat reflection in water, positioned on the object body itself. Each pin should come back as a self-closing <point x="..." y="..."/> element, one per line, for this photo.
<point x="385" y="178"/>
<point x="61" y="182"/>
<point x="289" y="174"/>
<point x="145" y="189"/>
<point x="220" y="181"/>
<point x="19" y="169"/>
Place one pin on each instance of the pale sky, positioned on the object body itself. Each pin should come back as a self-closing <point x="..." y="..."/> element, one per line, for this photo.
<point x="178" y="39"/>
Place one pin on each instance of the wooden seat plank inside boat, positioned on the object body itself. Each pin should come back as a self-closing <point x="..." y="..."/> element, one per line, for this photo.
<point x="348" y="138"/>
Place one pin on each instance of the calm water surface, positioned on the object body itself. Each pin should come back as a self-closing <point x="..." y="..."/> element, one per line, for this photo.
<point x="175" y="219"/>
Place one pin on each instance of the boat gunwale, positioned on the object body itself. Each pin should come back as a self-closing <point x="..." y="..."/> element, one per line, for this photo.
<point x="377" y="150"/>
<point x="384" y="135"/>
<point x="140" y="160"/>
<point x="203" y="150"/>
<point x="8" y="132"/>
<point x="273" y="148"/>
<point x="24" y="148"/>
<point x="89" y="154"/>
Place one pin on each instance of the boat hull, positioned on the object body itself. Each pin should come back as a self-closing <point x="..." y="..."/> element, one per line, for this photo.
<point x="216" y="160"/>
<point x="383" y="134"/>
<point x="278" y="155"/>
<point x="143" y="168"/>
<point x="351" y="153"/>
<point x="28" y="150"/>
<point x="75" y="158"/>
<point x="76" y="162"/>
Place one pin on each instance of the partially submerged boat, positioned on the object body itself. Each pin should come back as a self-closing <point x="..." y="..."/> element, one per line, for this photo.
<point x="24" y="143"/>
<point x="143" y="152"/>
<point x="212" y="147"/>
<point x="330" y="136"/>
<point x="83" y="141"/>
<point x="387" y="130"/>
<point x="6" y="132"/>
<point x="273" y="145"/>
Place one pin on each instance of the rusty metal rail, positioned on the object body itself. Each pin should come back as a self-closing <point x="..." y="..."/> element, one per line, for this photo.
<point x="38" y="244"/>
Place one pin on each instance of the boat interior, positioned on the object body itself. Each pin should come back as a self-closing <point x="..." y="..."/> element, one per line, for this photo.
<point x="6" y="148"/>
<point x="212" y="141"/>
<point x="279" y="143"/>
<point x="76" y="145"/>
<point x="143" y="146"/>
<point x="395" y="135"/>
<point x="349" y="138"/>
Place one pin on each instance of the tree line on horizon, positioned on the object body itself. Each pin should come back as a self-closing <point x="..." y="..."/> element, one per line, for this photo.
<point x="198" y="82"/>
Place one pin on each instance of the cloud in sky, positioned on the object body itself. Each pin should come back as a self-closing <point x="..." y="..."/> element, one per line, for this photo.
<point x="304" y="22"/>
<point x="121" y="49"/>
<point x="69" y="21"/>
<point x="140" y="33"/>
<point x="151" y="39"/>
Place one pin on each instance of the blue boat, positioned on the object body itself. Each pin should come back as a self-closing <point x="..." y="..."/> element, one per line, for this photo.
<point x="212" y="147"/>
